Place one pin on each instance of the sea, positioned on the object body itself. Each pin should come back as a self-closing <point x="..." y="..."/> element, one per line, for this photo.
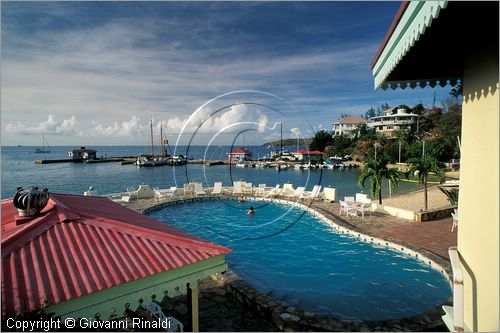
<point x="18" y="169"/>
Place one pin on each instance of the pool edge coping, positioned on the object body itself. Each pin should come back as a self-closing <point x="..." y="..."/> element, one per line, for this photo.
<point x="419" y="254"/>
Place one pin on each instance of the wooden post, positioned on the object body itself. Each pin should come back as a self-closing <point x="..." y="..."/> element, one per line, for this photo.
<point x="194" y="309"/>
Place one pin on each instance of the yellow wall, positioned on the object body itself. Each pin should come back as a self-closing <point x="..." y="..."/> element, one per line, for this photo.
<point x="478" y="229"/>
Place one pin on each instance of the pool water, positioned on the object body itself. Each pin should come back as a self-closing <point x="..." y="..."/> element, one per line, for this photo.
<point x="297" y="258"/>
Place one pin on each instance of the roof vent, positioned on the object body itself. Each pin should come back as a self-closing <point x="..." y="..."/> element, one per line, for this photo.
<point x="30" y="203"/>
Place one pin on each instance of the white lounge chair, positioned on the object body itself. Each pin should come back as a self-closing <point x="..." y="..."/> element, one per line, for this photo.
<point x="198" y="189"/>
<point x="217" y="188"/>
<point x="132" y="192"/>
<point x="165" y="193"/>
<point x="287" y="189"/>
<point x="274" y="191"/>
<point x="123" y="200"/>
<point x="188" y="189"/>
<point x="314" y="194"/>
<point x="237" y="188"/>
<point x="247" y="188"/>
<point x="261" y="190"/>
<point x="299" y="191"/>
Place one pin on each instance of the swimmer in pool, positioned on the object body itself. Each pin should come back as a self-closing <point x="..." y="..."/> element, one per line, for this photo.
<point x="241" y="200"/>
<point x="250" y="211"/>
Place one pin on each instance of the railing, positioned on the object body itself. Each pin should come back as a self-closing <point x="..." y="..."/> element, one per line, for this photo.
<point x="458" y="290"/>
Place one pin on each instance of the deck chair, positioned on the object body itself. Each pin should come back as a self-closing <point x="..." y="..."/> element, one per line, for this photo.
<point x="314" y="194"/>
<point x="287" y="189"/>
<point x="188" y="189"/>
<point x="364" y="204"/>
<point x="237" y="188"/>
<point x="132" y="192"/>
<point x="198" y="189"/>
<point x="275" y="191"/>
<point x="299" y="191"/>
<point x="261" y="190"/>
<point x="217" y="188"/>
<point x="247" y="188"/>
<point x="123" y="200"/>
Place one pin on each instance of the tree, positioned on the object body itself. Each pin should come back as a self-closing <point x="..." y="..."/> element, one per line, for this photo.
<point x="457" y="91"/>
<point x="375" y="170"/>
<point x="321" y="140"/>
<point x="422" y="167"/>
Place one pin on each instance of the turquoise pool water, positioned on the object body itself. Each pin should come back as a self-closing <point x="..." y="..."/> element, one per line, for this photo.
<point x="295" y="257"/>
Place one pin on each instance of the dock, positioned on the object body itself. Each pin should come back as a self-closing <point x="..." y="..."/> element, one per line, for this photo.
<point x="97" y="160"/>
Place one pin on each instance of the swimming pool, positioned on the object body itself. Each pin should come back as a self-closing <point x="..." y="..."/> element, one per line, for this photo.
<point x="294" y="256"/>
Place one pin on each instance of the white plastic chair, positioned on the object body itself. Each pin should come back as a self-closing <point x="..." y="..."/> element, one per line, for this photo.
<point x="344" y="207"/>
<point x="454" y="216"/>
<point x="155" y="310"/>
<point x="198" y="189"/>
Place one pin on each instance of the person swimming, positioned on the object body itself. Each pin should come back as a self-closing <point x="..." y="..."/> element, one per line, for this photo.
<point x="250" y="211"/>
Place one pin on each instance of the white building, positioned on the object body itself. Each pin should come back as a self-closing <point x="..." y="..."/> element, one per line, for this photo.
<point x="393" y="120"/>
<point x="346" y="126"/>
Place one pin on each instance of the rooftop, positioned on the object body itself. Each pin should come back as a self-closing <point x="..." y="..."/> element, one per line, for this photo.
<point x="351" y="120"/>
<point x="79" y="245"/>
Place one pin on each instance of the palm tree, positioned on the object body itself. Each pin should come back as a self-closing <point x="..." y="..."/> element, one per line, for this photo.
<point x="375" y="170"/>
<point x="422" y="167"/>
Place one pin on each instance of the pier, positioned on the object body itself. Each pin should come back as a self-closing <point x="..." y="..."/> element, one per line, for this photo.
<point x="96" y="160"/>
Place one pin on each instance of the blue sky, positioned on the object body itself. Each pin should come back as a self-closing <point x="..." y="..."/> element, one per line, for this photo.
<point x="94" y="73"/>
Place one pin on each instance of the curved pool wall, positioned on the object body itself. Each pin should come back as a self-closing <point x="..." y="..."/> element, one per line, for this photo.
<point x="344" y="296"/>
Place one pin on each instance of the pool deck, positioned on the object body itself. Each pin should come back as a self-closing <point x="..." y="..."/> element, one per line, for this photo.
<point x="432" y="239"/>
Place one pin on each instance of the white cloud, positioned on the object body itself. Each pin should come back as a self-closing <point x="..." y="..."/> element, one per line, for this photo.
<point x="127" y="128"/>
<point x="50" y="126"/>
<point x="235" y="118"/>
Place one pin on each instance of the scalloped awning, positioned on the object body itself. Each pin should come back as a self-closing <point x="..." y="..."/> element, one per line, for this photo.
<point x="408" y="57"/>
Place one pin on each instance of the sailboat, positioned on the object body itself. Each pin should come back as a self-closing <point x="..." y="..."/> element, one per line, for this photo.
<point x="45" y="146"/>
<point x="146" y="160"/>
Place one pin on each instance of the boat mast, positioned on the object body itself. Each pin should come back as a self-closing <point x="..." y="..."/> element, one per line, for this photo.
<point x="162" y="147"/>
<point x="152" y="145"/>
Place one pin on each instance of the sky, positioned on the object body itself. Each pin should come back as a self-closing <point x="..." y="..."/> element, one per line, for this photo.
<point x="97" y="73"/>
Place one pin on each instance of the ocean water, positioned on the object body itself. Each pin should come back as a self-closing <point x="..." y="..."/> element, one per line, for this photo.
<point x="295" y="257"/>
<point x="19" y="169"/>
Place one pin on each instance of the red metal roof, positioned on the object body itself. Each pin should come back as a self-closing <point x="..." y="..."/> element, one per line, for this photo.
<point x="308" y="152"/>
<point x="81" y="245"/>
<point x="388" y="35"/>
<point x="240" y="151"/>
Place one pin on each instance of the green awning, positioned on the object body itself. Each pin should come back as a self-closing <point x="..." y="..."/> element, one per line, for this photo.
<point x="394" y="65"/>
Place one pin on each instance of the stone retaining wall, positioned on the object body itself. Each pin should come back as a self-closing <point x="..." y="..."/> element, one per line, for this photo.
<point x="435" y="214"/>
<point x="289" y="319"/>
